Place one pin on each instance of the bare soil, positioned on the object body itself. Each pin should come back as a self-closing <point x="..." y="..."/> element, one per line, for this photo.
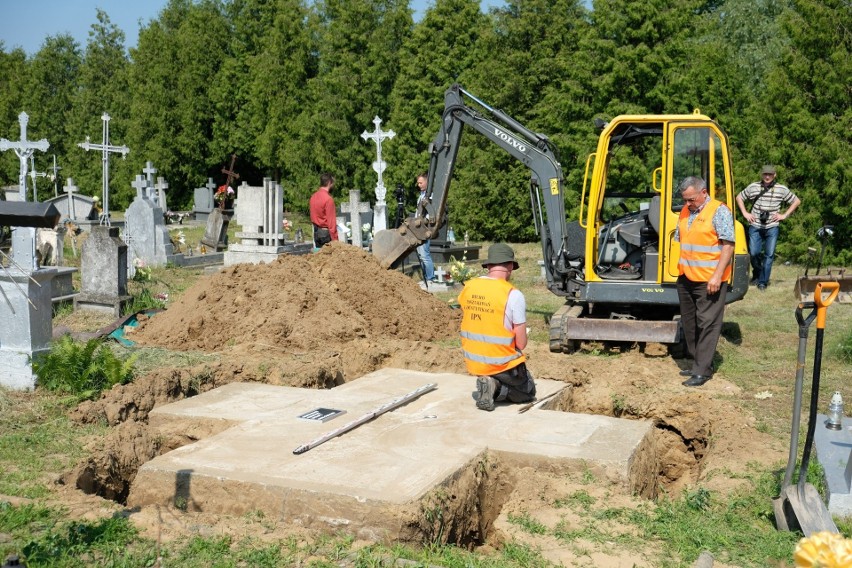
<point x="320" y="320"/>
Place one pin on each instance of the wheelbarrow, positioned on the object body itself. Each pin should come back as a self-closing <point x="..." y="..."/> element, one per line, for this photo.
<point x="805" y="285"/>
<point x="800" y="506"/>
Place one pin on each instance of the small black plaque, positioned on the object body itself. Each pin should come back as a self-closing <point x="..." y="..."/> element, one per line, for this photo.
<point x="321" y="414"/>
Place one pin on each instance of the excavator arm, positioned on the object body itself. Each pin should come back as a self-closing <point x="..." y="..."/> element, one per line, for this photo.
<point x="532" y="149"/>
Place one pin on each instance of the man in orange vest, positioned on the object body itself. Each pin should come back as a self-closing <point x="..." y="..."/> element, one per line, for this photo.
<point x="494" y="331"/>
<point x="705" y="231"/>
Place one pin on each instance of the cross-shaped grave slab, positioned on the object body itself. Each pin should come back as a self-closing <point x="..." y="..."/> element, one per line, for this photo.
<point x="371" y="479"/>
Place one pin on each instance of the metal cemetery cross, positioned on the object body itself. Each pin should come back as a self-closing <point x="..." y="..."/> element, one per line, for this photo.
<point x="24" y="149"/>
<point x="105" y="149"/>
<point x="55" y="177"/>
<point x="34" y="174"/>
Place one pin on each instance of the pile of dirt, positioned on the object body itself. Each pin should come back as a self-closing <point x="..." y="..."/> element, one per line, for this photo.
<point x="298" y="303"/>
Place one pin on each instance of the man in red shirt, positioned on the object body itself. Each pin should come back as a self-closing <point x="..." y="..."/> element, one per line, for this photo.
<point x="323" y="214"/>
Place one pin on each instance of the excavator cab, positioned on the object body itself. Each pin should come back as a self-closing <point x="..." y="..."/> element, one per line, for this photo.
<point x="631" y="205"/>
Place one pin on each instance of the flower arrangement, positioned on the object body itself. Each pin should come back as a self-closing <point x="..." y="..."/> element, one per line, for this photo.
<point x="823" y="549"/>
<point x="143" y="272"/>
<point x="459" y="271"/>
<point x="223" y="194"/>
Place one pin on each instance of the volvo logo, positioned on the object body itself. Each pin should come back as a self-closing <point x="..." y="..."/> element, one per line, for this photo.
<point x="510" y="140"/>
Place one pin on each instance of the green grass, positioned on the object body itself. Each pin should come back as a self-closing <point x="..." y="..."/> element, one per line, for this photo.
<point x="37" y="442"/>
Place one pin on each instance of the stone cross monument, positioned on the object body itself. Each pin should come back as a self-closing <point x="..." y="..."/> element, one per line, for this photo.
<point x="24" y="238"/>
<point x="379" y="217"/>
<point x="105" y="149"/>
<point x="24" y="149"/>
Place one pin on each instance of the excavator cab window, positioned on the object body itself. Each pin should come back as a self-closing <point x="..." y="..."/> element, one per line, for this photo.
<point x="625" y="233"/>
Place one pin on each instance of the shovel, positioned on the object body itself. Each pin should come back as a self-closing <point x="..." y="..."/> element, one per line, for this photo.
<point x="801" y="505"/>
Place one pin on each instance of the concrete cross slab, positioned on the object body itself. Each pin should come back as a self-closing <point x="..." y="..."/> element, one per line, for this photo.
<point x="369" y="479"/>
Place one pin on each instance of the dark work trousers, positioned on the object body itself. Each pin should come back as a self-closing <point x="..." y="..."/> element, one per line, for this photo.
<point x="701" y="317"/>
<point x="516" y="384"/>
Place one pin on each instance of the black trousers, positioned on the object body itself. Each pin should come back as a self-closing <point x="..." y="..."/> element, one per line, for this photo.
<point x="516" y="384"/>
<point x="701" y="317"/>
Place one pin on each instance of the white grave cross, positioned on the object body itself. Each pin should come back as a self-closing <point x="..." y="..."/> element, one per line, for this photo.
<point x="105" y="149"/>
<point x="24" y="149"/>
<point x="161" y="186"/>
<point x="70" y="188"/>
<point x="378" y="136"/>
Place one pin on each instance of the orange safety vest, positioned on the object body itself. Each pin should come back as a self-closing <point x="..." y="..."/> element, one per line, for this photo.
<point x="489" y="348"/>
<point x="700" y="247"/>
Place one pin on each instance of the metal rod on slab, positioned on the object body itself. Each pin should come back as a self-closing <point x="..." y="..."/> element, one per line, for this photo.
<point x="366" y="418"/>
<point x="538" y="402"/>
<point x="18" y="286"/>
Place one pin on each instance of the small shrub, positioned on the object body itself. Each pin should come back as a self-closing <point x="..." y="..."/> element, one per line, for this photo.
<point x="145" y="300"/>
<point x="82" y="369"/>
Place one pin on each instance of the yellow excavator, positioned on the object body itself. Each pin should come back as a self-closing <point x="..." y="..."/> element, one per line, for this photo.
<point x="616" y="265"/>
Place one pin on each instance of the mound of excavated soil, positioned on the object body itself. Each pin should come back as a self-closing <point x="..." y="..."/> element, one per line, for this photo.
<point x="301" y="302"/>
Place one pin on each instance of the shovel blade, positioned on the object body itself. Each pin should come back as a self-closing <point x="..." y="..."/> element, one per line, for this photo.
<point x="779" y="504"/>
<point x="804" y="509"/>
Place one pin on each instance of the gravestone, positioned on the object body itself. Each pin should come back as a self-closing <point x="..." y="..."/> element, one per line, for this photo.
<point x="73" y="206"/>
<point x="356" y="213"/>
<point x="145" y="229"/>
<point x="260" y="213"/>
<point x="103" y="272"/>
<point x="26" y="324"/>
<point x="203" y="200"/>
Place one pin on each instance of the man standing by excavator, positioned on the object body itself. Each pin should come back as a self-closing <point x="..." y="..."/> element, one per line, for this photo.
<point x="494" y="331"/>
<point x="705" y="231"/>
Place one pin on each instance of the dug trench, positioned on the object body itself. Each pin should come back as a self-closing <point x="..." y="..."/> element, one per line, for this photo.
<point x="316" y="322"/>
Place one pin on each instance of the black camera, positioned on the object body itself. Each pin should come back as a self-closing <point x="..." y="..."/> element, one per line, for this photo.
<point x="399" y="193"/>
<point x="764" y="217"/>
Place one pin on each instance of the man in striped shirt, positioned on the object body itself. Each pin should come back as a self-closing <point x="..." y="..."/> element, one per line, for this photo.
<point x="764" y="218"/>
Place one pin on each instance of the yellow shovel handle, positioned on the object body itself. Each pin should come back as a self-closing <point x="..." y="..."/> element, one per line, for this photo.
<point x="833" y="288"/>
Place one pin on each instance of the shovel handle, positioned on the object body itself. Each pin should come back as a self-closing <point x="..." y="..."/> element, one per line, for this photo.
<point x="822" y="303"/>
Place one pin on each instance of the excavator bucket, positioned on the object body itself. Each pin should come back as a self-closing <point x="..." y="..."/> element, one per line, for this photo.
<point x="805" y="286"/>
<point x="392" y="245"/>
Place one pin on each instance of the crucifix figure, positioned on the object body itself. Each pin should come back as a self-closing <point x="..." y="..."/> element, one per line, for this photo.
<point x="378" y="136"/>
<point x="105" y="149"/>
<point x="24" y="149"/>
